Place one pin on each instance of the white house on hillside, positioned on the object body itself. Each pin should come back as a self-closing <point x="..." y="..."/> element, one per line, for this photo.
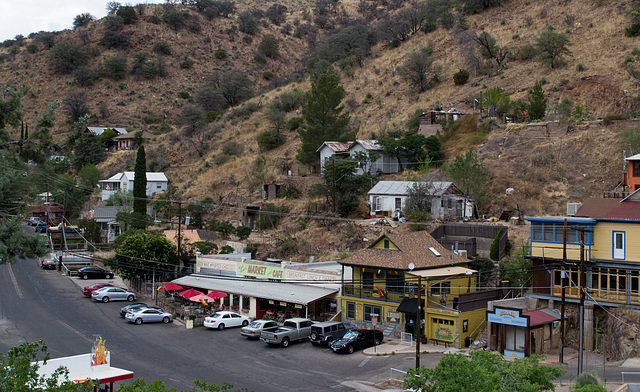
<point x="157" y="182"/>
<point x="387" y="198"/>
<point x="384" y="163"/>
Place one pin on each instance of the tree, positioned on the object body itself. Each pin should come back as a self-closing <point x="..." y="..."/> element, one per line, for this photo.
<point x="140" y="189"/>
<point x="475" y="6"/>
<point x="192" y="118"/>
<point x="277" y="14"/>
<point x="461" y="77"/>
<point x="140" y="385"/>
<point x="176" y="19"/>
<point x="496" y="101"/>
<point x="88" y="150"/>
<point x="490" y="48"/>
<point x="419" y="70"/>
<point x="483" y="372"/>
<point x="517" y="268"/>
<point x="469" y="174"/>
<point x="92" y="230"/>
<point x="269" y="46"/>
<point x="248" y="23"/>
<point x="75" y="104"/>
<point x="537" y="107"/>
<point x="552" y="48"/>
<point x="116" y="67"/>
<point x="112" y="7"/>
<point x="66" y="56"/>
<point x="11" y="107"/>
<point x="15" y="244"/>
<point x="243" y="232"/>
<point x="128" y="14"/>
<point x="347" y="186"/>
<point x="19" y="371"/>
<point x="89" y="175"/>
<point x="324" y="120"/>
<point x="138" y="252"/>
<point x="83" y="20"/>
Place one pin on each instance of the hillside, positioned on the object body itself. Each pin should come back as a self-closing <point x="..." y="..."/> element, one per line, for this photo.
<point x="581" y="161"/>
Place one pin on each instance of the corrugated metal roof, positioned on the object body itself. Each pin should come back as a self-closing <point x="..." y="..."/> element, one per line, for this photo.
<point x="277" y="291"/>
<point x="633" y="158"/>
<point x="337" y="147"/>
<point x="540" y="316"/>
<point x="105" y="213"/>
<point x="402" y="187"/>
<point x="368" y="145"/>
<point x="151" y="176"/>
<point x="99" y="130"/>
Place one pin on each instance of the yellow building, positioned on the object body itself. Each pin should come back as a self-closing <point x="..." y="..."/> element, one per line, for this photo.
<point x="383" y="291"/>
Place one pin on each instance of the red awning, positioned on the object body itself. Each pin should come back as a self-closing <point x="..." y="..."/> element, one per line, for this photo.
<point x="539" y="317"/>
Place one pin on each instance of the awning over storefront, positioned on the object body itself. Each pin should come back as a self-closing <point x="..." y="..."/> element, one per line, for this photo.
<point x="278" y="291"/>
<point x="541" y="316"/>
<point x="408" y="306"/>
<point x="444" y="271"/>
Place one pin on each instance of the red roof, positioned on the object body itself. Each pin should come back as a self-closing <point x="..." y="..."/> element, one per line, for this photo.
<point x="539" y="316"/>
<point x="597" y="207"/>
<point x="628" y="210"/>
<point x="53" y="209"/>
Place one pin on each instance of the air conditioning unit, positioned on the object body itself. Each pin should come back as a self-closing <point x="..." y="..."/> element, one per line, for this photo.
<point x="572" y="208"/>
<point x="462" y="252"/>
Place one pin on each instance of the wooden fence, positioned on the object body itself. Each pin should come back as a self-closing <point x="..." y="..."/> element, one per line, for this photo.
<point x="470" y="231"/>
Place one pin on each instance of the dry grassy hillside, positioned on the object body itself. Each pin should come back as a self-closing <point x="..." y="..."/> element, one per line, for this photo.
<point x="546" y="172"/>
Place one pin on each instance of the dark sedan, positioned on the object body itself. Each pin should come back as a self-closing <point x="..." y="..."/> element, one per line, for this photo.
<point x="94" y="272"/>
<point x="48" y="264"/>
<point x="87" y="290"/>
<point x="132" y="308"/>
<point x="357" y="339"/>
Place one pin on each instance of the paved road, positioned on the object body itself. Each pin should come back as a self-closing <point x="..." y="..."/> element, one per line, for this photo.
<point x="37" y="304"/>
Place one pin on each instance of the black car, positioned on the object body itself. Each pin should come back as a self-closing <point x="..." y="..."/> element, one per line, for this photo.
<point x="325" y="332"/>
<point x="357" y="339"/>
<point x="132" y="308"/>
<point x="94" y="272"/>
<point x="48" y="264"/>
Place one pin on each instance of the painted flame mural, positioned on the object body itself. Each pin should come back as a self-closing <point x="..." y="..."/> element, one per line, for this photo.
<point x="99" y="352"/>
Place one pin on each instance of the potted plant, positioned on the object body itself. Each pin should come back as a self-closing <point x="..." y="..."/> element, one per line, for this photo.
<point x="245" y="310"/>
<point x="234" y="307"/>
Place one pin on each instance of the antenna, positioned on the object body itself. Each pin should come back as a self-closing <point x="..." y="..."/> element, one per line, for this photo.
<point x="411" y="266"/>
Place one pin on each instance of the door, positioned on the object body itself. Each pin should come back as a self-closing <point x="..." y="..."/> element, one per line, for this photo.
<point x="618" y="245"/>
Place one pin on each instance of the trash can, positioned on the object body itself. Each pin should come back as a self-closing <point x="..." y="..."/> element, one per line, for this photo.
<point x="467" y="341"/>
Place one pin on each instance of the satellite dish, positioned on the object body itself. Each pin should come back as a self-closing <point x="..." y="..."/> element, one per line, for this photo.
<point x="411" y="266"/>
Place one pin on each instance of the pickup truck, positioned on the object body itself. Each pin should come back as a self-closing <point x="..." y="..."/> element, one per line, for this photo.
<point x="291" y="330"/>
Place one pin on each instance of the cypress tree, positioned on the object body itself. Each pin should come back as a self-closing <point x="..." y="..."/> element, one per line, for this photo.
<point x="140" y="190"/>
<point x="537" y="102"/>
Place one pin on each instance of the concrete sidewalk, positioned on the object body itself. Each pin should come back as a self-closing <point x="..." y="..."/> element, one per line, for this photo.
<point x="392" y="345"/>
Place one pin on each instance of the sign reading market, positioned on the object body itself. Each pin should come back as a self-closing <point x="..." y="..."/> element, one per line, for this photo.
<point x="508" y="316"/>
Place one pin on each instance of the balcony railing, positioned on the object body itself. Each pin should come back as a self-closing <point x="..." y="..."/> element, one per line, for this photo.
<point x="387" y="296"/>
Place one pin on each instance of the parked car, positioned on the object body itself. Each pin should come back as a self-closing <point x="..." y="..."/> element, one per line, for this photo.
<point x="132" y="308"/>
<point x="87" y="290"/>
<point x="224" y="319"/>
<point x="254" y="329"/>
<point x="67" y="229"/>
<point x="357" y="339"/>
<point x="48" y="264"/>
<point x="41" y="227"/>
<point x="326" y="332"/>
<point x="292" y="329"/>
<point x="33" y="221"/>
<point x="149" y="315"/>
<point x="94" y="272"/>
<point x="107" y="294"/>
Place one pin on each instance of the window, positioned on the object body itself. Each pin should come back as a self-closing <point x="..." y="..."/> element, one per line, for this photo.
<point x="395" y="282"/>
<point x="386" y="244"/>
<point x="636" y="168"/>
<point x="536" y="227"/>
<point x="398" y="203"/>
<point x="330" y="305"/>
<point x="548" y="232"/>
<point x="246" y="302"/>
<point x="443" y="321"/>
<point x="441" y="288"/>
<point x="367" y="280"/>
<point x="370" y="310"/>
<point x="635" y="282"/>
<point x="449" y="203"/>
<point x="351" y="310"/>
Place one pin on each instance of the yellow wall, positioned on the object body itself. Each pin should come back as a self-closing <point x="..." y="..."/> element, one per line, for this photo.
<point x="603" y="240"/>
<point x="554" y="250"/>
<point x="380" y="244"/>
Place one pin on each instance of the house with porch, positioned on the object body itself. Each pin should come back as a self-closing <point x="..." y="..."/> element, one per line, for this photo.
<point x="396" y="269"/>
<point x="329" y="149"/>
<point x="388" y="198"/>
<point x="100" y="130"/>
<point x="125" y="141"/>
<point x="382" y="164"/>
<point x="157" y="182"/>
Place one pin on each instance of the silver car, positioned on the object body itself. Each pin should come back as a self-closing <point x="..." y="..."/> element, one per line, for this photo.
<point x="254" y="329"/>
<point x="107" y="294"/>
<point x="149" y="315"/>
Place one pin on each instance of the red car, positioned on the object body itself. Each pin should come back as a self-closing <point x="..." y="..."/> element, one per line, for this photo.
<point x="87" y="290"/>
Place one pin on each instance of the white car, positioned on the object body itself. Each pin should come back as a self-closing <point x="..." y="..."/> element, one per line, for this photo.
<point x="107" y="294"/>
<point x="224" y="319"/>
<point x="148" y="315"/>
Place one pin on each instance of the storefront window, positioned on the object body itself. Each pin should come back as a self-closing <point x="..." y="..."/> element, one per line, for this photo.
<point x="246" y="302"/>
<point x="351" y="310"/>
<point x="370" y="310"/>
<point x="330" y="306"/>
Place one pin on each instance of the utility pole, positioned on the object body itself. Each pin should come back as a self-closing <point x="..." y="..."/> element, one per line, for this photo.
<point x="563" y="283"/>
<point x="179" y="236"/>
<point x="418" y="322"/>
<point x="583" y="288"/>
<point x="333" y="184"/>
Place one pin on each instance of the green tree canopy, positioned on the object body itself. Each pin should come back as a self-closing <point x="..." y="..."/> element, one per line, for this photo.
<point x="68" y="55"/>
<point x="16" y="244"/>
<point x="348" y="185"/>
<point x="537" y="107"/>
<point x="419" y="70"/>
<point x="552" y="48"/>
<point x="496" y="101"/>
<point x="138" y="252"/>
<point x="140" y="190"/>
<point x="89" y="177"/>
<point x="324" y="120"/>
<point x="483" y="371"/>
<point x="10" y="108"/>
<point x="469" y="174"/>
<point x="88" y="150"/>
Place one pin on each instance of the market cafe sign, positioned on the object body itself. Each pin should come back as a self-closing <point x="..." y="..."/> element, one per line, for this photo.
<point x="508" y="316"/>
<point x="260" y="271"/>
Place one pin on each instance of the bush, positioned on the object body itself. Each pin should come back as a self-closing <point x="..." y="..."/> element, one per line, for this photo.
<point x="418" y="219"/>
<point x="612" y="117"/>
<point x="294" y="123"/>
<point x="461" y="77"/>
<point x="269" y="46"/>
<point x="494" y="251"/>
<point x="111" y="39"/>
<point x="288" y="101"/>
<point x="291" y="192"/>
<point x="243" y="232"/>
<point x="268" y="140"/>
<point x="32" y="47"/>
<point x="176" y="19"/>
<point x="186" y="64"/>
<point x="84" y="76"/>
<point x="66" y="56"/>
<point x="220" y="54"/>
<point x="248" y="23"/>
<point x="184" y="95"/>
<point x="128" y="14"/>
<point x="527" y="52"/>
<point x="162" y="47"/>
<point x="260" y="58"/>
<point x="232" y="148"/>
<point x="267" y="75"/>
<point x="269" y="217"/>
<point x="116" y="67"/>
<point x="580" y="67"/>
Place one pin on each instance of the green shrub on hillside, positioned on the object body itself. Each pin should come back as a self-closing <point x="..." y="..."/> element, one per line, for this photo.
<point x="461" y="77"/>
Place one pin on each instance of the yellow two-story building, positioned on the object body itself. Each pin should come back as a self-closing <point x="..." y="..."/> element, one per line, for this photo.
<point x="383" y="290"/>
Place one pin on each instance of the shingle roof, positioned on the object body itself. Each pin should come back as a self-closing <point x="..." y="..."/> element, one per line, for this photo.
<point x="414" y="248"/>
<point x="629" y="210"/>
<point x="402" y="187"/>
<point x="597" y="207"/>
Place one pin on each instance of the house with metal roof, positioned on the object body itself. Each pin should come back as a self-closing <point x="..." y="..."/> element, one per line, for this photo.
<point x="381" y="164"/>
<point x="388" y="198"/>
<point x="157" y="182"/>
<point x="395" y="271"/>
<point x="100" y="130"/>
<point x="125" y="141"/>
<point x="329" y="149"/>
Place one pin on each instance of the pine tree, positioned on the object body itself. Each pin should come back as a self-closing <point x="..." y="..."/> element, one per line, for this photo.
<point x="140" y="190"/>
<point x="324" y="120"/>
<point x="537" y="102"/>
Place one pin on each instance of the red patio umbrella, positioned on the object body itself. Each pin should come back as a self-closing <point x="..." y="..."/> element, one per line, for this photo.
<point x="216" y="294"/>
<point x="203" y="299"/>
<point x="170" y="286"/>
<point x="190" y="293"/>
